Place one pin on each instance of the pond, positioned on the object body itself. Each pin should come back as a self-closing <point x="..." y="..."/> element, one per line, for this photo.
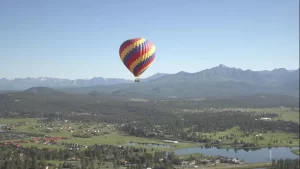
<point x="249" y="156"/>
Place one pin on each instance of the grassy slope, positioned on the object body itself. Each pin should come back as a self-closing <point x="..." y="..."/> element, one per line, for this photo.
<point x="296" y="151"/>
<point x="286" y="114"/>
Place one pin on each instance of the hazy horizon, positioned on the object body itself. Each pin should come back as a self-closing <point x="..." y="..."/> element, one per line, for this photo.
<point x="81" y="40"/>
<point x="143" y="77"/>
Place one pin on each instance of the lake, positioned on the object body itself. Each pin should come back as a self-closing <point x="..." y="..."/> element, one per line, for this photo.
<point x="250" y="156"/>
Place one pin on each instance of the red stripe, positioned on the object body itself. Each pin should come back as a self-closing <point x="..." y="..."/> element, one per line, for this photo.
<point x="148" y="46"/>
<point x="142" y="67"/>
<point x="126" y="44"/>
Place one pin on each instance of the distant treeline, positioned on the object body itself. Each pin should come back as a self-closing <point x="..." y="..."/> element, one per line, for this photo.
<point x="24" y="104"/>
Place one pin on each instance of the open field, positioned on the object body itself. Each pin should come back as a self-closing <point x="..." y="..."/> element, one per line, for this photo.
<point x="108" y="134"/>
<point x="17" y="120"/>
<point x="104" y="134"/>
<point x="286" y="114"/>
<point x="284" y="139"/>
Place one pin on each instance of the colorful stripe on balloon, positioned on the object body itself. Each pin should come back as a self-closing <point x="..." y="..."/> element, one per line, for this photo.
<point x="137" y="55"/>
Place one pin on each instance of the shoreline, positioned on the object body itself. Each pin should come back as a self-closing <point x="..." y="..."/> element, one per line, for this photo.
<point x="225" y="146"/>
<point x="296" y="151"/>
<point x="228" y="166"/>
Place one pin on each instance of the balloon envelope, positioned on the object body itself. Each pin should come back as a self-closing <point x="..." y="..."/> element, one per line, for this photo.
<point x="137" y="55"/>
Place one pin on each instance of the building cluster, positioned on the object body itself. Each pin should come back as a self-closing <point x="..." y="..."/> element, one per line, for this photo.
<point x="210" y="162"/>
<point x="47" y="140"/>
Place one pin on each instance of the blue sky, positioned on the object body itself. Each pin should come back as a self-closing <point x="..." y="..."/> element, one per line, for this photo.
<point x="81" y="39"/>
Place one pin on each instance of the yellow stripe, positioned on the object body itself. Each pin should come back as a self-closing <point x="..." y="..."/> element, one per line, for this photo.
<point x="142" y="58"/>
<point x="139" y="73"/>
<point x="130" y="47"/>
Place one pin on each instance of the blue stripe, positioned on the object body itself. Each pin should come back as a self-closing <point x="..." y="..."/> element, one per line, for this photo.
<point x="142" y="64"/>
<point x="133" y="52"/>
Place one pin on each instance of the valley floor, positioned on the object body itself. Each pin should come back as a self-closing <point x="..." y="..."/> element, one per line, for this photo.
<point x="108" y="133"/>
<point x="31" y="132"/>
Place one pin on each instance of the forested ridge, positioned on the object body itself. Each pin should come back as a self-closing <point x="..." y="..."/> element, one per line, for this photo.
<point x="36" y="104"/>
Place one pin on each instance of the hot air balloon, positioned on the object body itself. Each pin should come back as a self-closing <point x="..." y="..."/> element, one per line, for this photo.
<point x="137" y="55"/>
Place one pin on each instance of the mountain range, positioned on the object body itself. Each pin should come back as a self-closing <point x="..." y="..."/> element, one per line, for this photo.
<point x="25" y="83"/>
<point x="217" y="81"/>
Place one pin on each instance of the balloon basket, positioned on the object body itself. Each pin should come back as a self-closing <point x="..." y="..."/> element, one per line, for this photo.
<point x="137" y="80"/>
